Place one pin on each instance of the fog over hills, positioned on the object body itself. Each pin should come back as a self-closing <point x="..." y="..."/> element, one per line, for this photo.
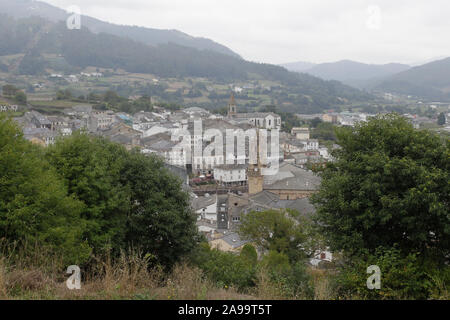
<point x="361" y="75"/>
<point x="149" y="36"/>
<point x="299" y="66"/>
<point x="36" y="46"/>
<point x="430" y="81"/>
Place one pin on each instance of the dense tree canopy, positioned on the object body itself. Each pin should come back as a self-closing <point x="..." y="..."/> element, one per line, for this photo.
<point x="441" y="119"/>
<point x="34" y="203"/>
<point x="85" y="194"/>
<point x="82" y="48"/>
<point x="389" y="186"/>
<point x="91" y="168"/>
<point x="279" y="231"/>
<point x="160" y="219"/>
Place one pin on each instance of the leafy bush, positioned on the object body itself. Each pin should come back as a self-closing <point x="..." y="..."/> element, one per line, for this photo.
<point x="34" y="203"/>
<point x="87" y="194"/>
<point x="224" y="268"/>
<point x="292" y="279"/>
<point x="402" y="277"/>
<point x="389" y="185"/>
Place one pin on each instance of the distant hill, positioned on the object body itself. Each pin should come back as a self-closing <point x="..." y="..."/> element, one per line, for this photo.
<point x="149" y="36"/>
<point x="36" y="39"/>
<point x="356" y="74"/>
<point x="430" y="81"/>
<point x="299" y="66"/>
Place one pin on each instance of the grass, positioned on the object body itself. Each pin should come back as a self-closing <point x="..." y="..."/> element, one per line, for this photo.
<point x="54" y="103"/>
<point x="35" y="273"/>
<point x="31" y="272"/>
<point x="4" y="102"/>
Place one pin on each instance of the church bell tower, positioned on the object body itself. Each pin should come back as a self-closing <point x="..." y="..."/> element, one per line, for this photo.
<point x="232" y="107"/>
<point x="254" y="171"/>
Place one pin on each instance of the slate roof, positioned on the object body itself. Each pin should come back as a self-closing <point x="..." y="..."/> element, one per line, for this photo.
<point x="162" y="145"/>
<point x="213" y="124"/>
<point x="234" y="240"/>
<point x="195" y="109"/>
<point x="269" y="199"/>
<point x="304" y="206"/>
<point x="43" y="120"/>
<point x="265" y="197"/>
<point x="121" y="138"/>
<point x="203" y="202"/>
<point x="256" y="115"/>
<point x="148" y="141"/>
<point x="39" y="132"/>
<point x="291" y="177"/>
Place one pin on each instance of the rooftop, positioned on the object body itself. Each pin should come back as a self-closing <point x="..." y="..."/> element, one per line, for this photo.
<point x="291" y="177"/>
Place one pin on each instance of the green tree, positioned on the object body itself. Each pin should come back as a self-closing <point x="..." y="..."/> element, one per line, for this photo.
<point x="9" y="90"/>
<point x="324" y="131"/>
<point x="34" y="204"/>
<point x="276" y="262"/>
<point x="160" y="219"/>
<point x="441" y="119"/>
<point x="20" y="97"/>
<point x="224" y="268"/>
<point x="389" y="185"/>
<point x="403" y="276"/>
<point x="249" y="254"/>
<point x="90" y="168"/>
<point x="291" y="277"/>
<point x="276" y="230"/>
<point x="315" y="122"/>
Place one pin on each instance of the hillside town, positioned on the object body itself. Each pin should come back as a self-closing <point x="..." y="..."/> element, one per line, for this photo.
<point x="223" y="186"/>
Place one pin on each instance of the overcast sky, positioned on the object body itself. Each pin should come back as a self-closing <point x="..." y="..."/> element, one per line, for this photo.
<point x="278" y="31"/>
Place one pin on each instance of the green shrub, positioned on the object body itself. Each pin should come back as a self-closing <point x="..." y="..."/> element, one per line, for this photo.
<point x="34" y="203"/>
<point x="293" y="279"/>
<point x="249" y="254"/>
<point x="224" y="268"/>
<point x="402" y="277"/>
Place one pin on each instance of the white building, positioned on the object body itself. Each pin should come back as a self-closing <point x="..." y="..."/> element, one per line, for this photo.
<point x="230" y="175"/>
<point x="321" y="256"/>
<point x="206" y="207"/>
<point x="264" y="120"/>
<point x="301" y="133"/>
<point x="297" y="146"/>
<point x="101" y="120"/>
<point x="323" y="151"/>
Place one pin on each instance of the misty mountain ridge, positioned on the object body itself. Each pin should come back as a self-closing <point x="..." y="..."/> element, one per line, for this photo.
<point x="430" y="81"/>
<point x="38" y="47"/>
<point x="28" y="8"/>
<point x="357" y="74"/>
<point x="298" y="66"/>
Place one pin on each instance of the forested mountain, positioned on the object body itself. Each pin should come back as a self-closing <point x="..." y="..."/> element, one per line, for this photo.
<point x="36" y="37"/>
<point x="149" y="36"/>
<point x="350" y="70"/>
<point x="299" y="66"/>
<point x="430" y="81"/>
<point x="360" y="75"/>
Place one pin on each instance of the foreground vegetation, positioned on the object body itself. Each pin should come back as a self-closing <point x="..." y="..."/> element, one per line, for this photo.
<point x="126" y="221"/>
